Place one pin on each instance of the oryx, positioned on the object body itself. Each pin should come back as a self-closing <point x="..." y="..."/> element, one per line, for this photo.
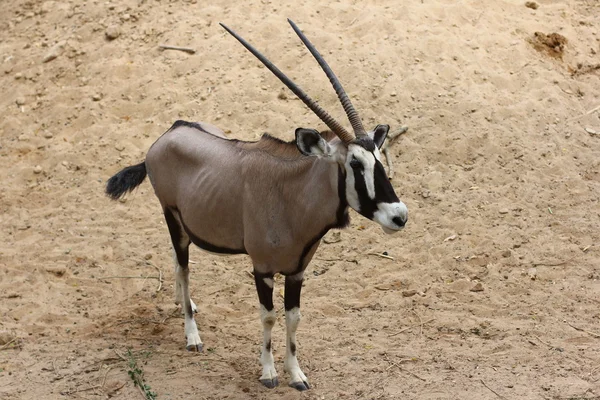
<point x="270" y="199"/>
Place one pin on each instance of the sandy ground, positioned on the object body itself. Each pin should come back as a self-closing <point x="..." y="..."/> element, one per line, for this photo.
<point x="493" y="288"/>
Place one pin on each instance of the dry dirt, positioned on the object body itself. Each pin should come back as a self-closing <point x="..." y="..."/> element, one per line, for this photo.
<point x="500" y="170"/>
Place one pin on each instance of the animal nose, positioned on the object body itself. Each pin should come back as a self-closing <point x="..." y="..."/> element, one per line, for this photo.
<point x="399" y="221"/>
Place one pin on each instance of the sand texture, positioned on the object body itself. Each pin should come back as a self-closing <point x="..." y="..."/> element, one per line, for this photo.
<point x="491" y="292"/>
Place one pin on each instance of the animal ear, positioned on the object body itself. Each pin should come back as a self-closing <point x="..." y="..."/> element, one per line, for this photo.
<point x="379" y="134"/>
<point x="311" y="143"/>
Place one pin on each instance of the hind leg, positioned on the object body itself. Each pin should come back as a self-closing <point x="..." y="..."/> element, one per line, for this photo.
<point x="178" y="288"/>
<point x="181" y="244"/>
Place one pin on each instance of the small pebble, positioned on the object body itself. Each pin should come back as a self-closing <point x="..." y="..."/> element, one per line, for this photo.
<point x="590" y="131"/>
<point x="531" y="4"/>
<point x="20" y="100"/>
<point x="48" y="135"/>
<point x="477" y="288"/>
<point x="409" y="293"/>
<point x="37" y="169"/>
<point x="55" y="51"/>
<point x="18" y="75"/>
<point x="503" y="211"/>
<point x="97" y="97"/>
<point x="112" y="32"/>
<point x="57" y="271"/>
<point x="119" y="147"/>
<point x="532" y="273"/>
<point x="506" y="253"/>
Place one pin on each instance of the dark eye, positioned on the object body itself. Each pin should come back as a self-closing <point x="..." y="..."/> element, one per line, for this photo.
<point x="355" y="164"/>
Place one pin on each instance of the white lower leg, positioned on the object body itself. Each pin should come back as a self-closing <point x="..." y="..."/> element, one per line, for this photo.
<point x="292" y="320"/>
<point x="269" y="374"/>
<point x="178" y="295"/>
<point x="178" y="286"/>
<point x="194" y="343"/>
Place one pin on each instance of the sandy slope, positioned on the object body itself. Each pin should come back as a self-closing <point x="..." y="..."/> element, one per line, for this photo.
<point x="500" y="176"/>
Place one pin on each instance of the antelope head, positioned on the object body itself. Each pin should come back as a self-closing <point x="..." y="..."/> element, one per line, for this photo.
<point x="368" y="189"/>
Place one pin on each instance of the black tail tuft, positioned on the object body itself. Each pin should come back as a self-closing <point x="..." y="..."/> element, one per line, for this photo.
<point x="125" y="181"/>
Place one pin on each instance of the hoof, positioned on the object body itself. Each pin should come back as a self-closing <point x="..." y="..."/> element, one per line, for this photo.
<point x="300" y="386"/>
<point x="270" y="383"/>
<point x="195" y="347"/>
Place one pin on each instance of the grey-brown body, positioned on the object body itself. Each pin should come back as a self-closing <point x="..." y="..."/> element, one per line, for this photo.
<point x="269" y="199"/>
<point x="261" y="198"/>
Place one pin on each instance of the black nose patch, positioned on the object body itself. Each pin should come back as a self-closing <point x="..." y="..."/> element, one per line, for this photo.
<point x="398" y="221"/>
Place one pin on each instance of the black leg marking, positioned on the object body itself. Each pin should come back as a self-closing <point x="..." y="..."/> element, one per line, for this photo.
<point x="269" y="345"/>
<point x="181" y="241"/>
<point x="293" y="287"/>
<point x="293" y="348"/>
<point x="265" y="293"/>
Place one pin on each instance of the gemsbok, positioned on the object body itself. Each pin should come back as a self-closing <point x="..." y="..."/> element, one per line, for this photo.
<point x="270" y="199"/>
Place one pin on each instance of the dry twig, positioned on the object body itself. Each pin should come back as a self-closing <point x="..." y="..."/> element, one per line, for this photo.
<point x="69" y="392"/>
<point x="412" y="326"/>
<point x="121" y="356"/>
<point x="407" y="371"/>
<point x="551" y="263"/>
<point x="594" y="334"/>
<point x="104" y="378"/>
<point x="491" y="390"/>
<point x="420" y="322"/>
<point x="6" y="345"/>
<point x="129" y="277"/>
<point x="546" y="343"/>
<point x="381" y="255"/>
<point x="160" y="278"/>
<point x="184" y="49"/>
<point x="586" y="113"/>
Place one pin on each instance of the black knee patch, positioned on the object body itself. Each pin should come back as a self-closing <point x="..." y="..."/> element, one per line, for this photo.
<point x="293" y="287"/>
<point x="265" y="293"/>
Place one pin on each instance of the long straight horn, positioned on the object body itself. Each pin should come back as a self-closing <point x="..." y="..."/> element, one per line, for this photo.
<point x="338" y="129"/>
<point x="351" y="112"/>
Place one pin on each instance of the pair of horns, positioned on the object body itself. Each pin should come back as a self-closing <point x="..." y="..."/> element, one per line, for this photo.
<point x="335" y="126"/>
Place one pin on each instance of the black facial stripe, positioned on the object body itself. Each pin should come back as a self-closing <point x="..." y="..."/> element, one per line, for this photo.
<point x="367" y="205"/>
<point x="384" y="192"/>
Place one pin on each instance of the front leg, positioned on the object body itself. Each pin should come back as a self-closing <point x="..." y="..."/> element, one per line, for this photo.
<point x="293" y="287"/>
<point x="264" y="287"/>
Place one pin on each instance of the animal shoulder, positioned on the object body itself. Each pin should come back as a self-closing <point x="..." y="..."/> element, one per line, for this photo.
<point x="268" y="145"/>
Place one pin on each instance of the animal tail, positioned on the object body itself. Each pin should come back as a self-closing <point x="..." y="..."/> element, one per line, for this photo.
<point x="125" y="181"/>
